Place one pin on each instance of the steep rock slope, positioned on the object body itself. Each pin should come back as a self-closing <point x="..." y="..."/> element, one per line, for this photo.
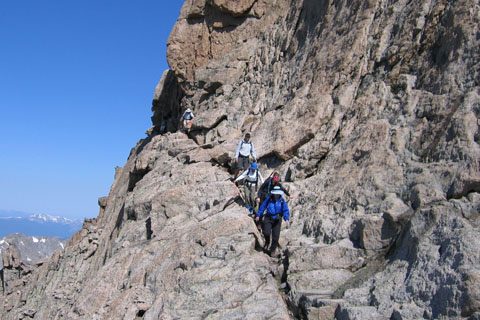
<point x="370" y="111"/>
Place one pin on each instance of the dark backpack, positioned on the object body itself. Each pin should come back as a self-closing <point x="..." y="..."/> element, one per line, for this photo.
<point x="187" y="116"/>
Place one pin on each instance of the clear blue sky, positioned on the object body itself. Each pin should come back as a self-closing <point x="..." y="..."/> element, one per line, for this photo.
<point x="77" y="79"/>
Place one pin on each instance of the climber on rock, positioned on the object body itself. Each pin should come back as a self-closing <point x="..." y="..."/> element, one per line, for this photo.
<point x="276" y="208"/>
<point x="252" y="177"/>
<point x="242" y="154"/>
<point x="269" y="184"/>
<point x="187" y="119"/>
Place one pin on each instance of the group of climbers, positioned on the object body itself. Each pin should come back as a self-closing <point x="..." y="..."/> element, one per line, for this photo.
<point x="267" y="195"/>
<point x="263" y="198"/>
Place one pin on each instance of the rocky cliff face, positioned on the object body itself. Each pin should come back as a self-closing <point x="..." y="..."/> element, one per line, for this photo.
<point x="370" y="111"/>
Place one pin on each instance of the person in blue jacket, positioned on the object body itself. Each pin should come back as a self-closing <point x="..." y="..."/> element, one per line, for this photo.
<point x="276" y="208"/>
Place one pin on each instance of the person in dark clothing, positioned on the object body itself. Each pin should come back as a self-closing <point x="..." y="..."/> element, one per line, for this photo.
<point x="268" y="186"/>
<point x="276" y="208"/>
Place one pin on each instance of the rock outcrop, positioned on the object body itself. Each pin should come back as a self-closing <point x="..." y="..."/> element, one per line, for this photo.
<point x="370" y="112"/>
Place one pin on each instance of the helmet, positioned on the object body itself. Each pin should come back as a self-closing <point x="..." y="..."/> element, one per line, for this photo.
<point x="254" y="166"/>
<point x="188" y="110"/>
<point x="277" y="190"/>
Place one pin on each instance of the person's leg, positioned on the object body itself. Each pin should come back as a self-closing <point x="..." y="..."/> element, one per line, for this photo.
<point x="248" y="196"/>
<point x="276" y="226"/>
<point x="251" y="197"/>
<point x="237" y="170"/>
<point x="188" y="125"/>
<point x="242" y="165"/>
<point x="267" y="230"/>
<point x="245" y="163"/>
<point x="257" y="201"/>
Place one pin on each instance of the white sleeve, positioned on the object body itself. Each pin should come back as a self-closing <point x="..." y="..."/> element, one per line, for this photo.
<point x="252" y="151"/>
<point x="243" y="175"/>
<point x="261" y="177"/>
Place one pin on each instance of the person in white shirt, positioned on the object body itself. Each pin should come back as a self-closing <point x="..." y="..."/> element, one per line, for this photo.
<point x="253" y="179"/>
<point x="187" y="119"/>
<point x="244" y="150"/>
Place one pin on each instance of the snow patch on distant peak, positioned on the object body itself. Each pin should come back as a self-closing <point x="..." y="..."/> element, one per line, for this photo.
<point x="49" y="218"/>
<point x="34" y="239"/>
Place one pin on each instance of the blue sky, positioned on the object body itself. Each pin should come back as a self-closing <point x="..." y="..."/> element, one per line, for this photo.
<point x="76" y="83"/>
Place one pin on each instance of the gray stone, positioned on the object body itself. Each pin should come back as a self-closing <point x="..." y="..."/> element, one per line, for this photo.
<point x="353" y="313"/>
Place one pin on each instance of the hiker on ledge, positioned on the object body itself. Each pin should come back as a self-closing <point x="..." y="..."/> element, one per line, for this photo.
<point x="276" y="208"/>
<point x="242" y="154"/>
<point x="251" y="176"/>
<point x="268" y="186"/>
<point x="187" y="119"/>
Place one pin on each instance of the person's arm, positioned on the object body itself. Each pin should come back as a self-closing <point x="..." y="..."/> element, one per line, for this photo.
<point x="252" y="151"/>
<point x="286" y="211"/>
<point x="237" y="152"/>
<point x="242" y="176"/>
<point x="262" y="208"/>
<point x="286" y="214"/>
<point x="193" y="116"/>
<point x="261" y="177"/>
<point x="283" y="189"/>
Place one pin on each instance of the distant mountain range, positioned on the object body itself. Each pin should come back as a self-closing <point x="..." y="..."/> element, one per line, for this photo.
<point x="38" y="225"/>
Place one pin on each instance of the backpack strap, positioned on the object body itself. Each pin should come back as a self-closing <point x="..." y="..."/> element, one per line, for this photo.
<point x="243" y="141"/>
